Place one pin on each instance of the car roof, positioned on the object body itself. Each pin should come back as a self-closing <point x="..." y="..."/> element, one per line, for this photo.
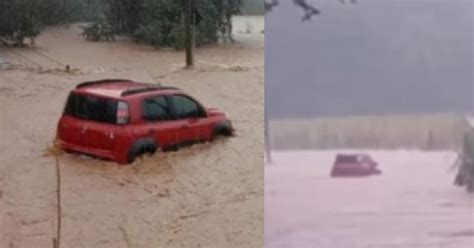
<point x="352" y="158"/>
<point x="121" y="88"/>
<point x="352" y="155"/>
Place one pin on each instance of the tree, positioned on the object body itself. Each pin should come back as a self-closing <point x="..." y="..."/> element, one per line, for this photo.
<point x="188" y="33"/>
<point x="19" y="19"/>
<point x="23" y="19"/>
<point x="161" y="22"/>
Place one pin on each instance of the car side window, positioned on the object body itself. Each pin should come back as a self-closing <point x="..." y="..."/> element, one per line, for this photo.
<point x="185" y="107"/>
<point x="156" y="109"/>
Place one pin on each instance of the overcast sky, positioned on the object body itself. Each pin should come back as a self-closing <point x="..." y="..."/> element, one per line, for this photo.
<point x="375" y="57"/>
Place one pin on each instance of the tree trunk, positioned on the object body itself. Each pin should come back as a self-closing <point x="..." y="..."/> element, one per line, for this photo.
<point x="267" y="140"/>
<point x="188" y="33"/>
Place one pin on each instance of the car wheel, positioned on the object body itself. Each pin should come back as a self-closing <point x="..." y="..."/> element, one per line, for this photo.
<point x="222" y="129"/>
<point x="141" y="147"/>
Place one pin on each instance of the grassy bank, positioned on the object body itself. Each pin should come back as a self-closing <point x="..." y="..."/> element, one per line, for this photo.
<point x="384" y="132"/>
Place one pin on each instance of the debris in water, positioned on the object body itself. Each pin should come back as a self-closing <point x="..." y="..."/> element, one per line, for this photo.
<point x="86" y="157"/>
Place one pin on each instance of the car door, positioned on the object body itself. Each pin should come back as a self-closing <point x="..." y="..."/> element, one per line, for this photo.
<point x="71" y="126"/>
<point x="159" y="122"/>
<point x="189" y="113"/>
<point x="69" y="130"/>
<point x="100" y="128"/>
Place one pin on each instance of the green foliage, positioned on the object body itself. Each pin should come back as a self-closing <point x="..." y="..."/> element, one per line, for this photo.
<point x="98" y="31"/>
<point x="57" y="12"/>
<point x="155" y="22"/>
<point x="19" y="19"/>
<point x="124" y="15"/>
<point x="22" y="19"/>
<point x="81" y="11"/>
<point x="161" y="22"/>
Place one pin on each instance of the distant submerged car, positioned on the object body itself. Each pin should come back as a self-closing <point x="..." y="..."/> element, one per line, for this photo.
<point x="354" y="165"/>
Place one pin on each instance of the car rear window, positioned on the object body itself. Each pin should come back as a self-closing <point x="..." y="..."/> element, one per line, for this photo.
<point x="92" y="108"/>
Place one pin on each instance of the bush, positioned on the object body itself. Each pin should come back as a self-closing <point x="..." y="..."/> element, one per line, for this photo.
<point x="98" y="31"/>
<point x="154" y="22"/>
<point x="158" y="24"/>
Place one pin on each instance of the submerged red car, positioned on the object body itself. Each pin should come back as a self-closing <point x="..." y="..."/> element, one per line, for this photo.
<point x="350" y="165"/>
<point x="120" y="119"/>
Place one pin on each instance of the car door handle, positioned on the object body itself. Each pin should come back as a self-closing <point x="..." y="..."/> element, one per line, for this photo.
<point x="185" y="125"/>
<point x="152" y="131"/>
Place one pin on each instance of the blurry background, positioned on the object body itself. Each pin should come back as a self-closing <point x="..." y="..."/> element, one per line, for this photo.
<point x="406" y="67"/>
<point x="388" y="78"/>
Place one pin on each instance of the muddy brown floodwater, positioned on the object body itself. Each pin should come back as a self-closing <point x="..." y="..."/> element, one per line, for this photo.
<point x="413" y="204"/>
<point x="209" y="195"/>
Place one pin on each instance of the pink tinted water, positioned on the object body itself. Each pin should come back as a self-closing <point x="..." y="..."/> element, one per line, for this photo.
<point x="412" y="204"/>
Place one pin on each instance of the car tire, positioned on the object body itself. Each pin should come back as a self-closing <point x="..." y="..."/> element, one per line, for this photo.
<point x="140" y="147"/>
<point x="222" y="129"/>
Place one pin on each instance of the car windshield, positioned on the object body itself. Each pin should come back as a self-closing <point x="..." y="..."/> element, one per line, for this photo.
<point x="92" y="108"/>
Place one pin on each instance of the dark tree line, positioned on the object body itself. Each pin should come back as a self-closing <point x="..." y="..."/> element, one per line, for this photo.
<point x="18" y="21"/>
<point x="154" y="22"/>
<point x="161" y="22"/>
<point x="23" y="19"/>
<point x="465" y="175"/>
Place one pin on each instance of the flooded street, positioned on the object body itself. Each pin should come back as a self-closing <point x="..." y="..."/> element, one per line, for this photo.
<point x="177" y="199"/>
<point x="413" y="204"/>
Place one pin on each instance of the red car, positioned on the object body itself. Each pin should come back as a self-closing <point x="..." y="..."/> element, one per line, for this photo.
<point x="121" y="119"/>
<point x="347" y="165"/>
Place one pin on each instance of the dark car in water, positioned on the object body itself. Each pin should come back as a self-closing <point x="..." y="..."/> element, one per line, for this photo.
<point x="354" y="165"/>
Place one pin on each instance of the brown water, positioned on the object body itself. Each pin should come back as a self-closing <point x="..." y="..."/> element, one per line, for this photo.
<point x="412" y="204"/>
<point x="209" y="195"/>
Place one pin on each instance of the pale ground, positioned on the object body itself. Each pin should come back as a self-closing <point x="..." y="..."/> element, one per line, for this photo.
<point x="413" y="204"/>
<point x="208" y="195"/>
